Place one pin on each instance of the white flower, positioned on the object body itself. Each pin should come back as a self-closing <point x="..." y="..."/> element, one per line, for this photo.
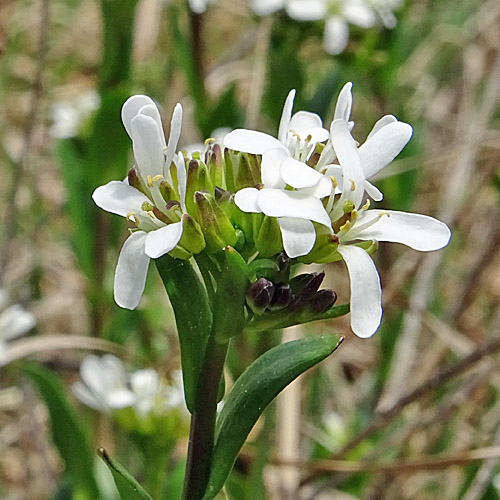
<point x="69" y="115"/>
<point x="14" y="322"/>
<point x="265" y="7"/>
<point x="199" y="6"/>
<point x="283" y="164"/>
<point x="159" y="224"/>
<point x="337" y="15"/>
<point x="107" y="387"/>
<point x="417" y="231"/>
<point x="384" y="142"/>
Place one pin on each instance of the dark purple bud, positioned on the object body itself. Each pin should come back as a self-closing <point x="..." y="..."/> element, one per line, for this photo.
<point x="281" y="298"/>
<point x="133" y="179"/>
<point x="304" y="286"/>
<point x="322" y="300"/>
<point x="259" y="295"/>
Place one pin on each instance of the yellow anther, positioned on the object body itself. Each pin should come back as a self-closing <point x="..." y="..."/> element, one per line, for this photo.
<point x="295" y="134"/>
<point x="353" y="185"/>
<point x="209" y="140"/>
<point x="366" y="206"/>
<point x="129" y="215"/>
<point x="354" y="215"/>
<point x="345" y="227"/>
<point x="151" y="214"/>
<point x="149" y="181"/>
<point x="309" y="138"/>
<point x="381" y="214"/>
<point x="157" y="178"/>
<point x="334" y="181"/>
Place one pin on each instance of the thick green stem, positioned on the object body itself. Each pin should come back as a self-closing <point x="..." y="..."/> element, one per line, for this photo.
<point x="202" y="433"/>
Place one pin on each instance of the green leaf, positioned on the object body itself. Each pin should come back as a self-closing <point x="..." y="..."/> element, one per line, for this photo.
<point x="68" y="434"/>
<point x="193" y="317"/>
<point x="261" y="382"/>
<point x="126" y="484"/>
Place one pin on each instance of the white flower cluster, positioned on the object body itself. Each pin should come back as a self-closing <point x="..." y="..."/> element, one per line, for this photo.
<point x="337" y="15"/>
<point x="107" y="387"/>
<point x="331" y="190"/>
<point x="313" y="182"/>
<point x="14" y="322"/>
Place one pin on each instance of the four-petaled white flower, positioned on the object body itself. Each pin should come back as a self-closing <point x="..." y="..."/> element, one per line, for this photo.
<point x="159" y="222"/>
<point x="14" y="322"/>
<point x="283" y="167"/>
<point x="417" y="231"/>
<point x="107" y="387"/>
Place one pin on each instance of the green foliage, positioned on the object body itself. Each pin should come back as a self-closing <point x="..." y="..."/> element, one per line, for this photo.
<point x="193" y="317"/>
<point x="68" y="434"/>
<point x="128" y="487"/>
<point x="261" y="382"/>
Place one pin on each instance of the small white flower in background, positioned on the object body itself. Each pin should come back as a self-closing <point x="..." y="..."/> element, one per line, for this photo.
<point x="69" y="115"/>
<point x="199" y="6"/>
<point x="14" y="322"/>
<point x="107" y="387"/>
<point x="265" y="7"/>
<point x="159" y="225"/>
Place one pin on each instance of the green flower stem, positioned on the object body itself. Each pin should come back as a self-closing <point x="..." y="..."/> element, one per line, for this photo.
<point x="202" y="433"/>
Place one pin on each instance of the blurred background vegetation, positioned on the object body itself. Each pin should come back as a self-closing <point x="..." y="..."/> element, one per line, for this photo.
<point x="413" y="413"/>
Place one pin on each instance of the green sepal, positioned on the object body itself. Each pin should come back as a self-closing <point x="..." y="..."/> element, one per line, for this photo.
<point x="247" y="171"/>
<point x="192" y="238"/>
<point x="229" y="306"/>
<point x="268" y="241"/>
<point x="68" y="434"/>
<point x="193" y="317"/>
<point x="261" y="382"/>
<point x="126" y="484"/>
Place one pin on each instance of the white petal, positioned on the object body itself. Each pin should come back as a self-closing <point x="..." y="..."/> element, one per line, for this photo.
<point x="321" y="189"/>
<point x="366" y="294"/>
<point x="161" y="241"/>
<point x="265" y="7"/>
<point x="198" y="6"/>
<point x="152" y="111"/>
<point x="88" y="398"/>
<point x="385" y="120"/>
<point x="359" y="14"/>
<point x="420" y="232"/>
<point x="305" y="120"/>
<point x="121" y="398"/>
<point x="270" y="166"/>
<point x="336" y="35"/>
<point x="131" y="108"/>
<point x="148" y="146"/>
<point x="131" y="271"/>
<point x="383" y="146"/>
<point x="173" y="139"/>
<point x="352" y="172"/>
<point x="281" y="203"/>
<point x="96" y="379"/>
<point x="250" y="141"/>
<point x="285" y="117"/>
<point x="373" y="192"/>
<point x="119" y="198"/>
<point x="180" y="164"/>
<point x="246" y="200"/>
<point x="344" y="103"/>
<point x="306" y="10"/>
<point x="15" y="321"/>
<point x="298" y="174"/>
<point x="298" y="236"/>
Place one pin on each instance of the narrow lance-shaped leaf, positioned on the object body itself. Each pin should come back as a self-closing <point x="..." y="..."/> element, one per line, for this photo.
<point x="261" y="382"/>
<point x="193" y="317"/>
<point x="128" y="487"/>
<point x="68" y="434"/>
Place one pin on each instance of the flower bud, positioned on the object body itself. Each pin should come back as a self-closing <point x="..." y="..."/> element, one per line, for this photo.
<point x="304" y="286"/>
<point x="281" y="298"/>
<point x="247" y="172"/>
<point x="259" y="295"/>
<point x="215" y="164"/>
<point x="322" y="300"/>
<point x="268" y="241"/>
<point x="218" y="230"/>
<point x="134" y="180"/>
